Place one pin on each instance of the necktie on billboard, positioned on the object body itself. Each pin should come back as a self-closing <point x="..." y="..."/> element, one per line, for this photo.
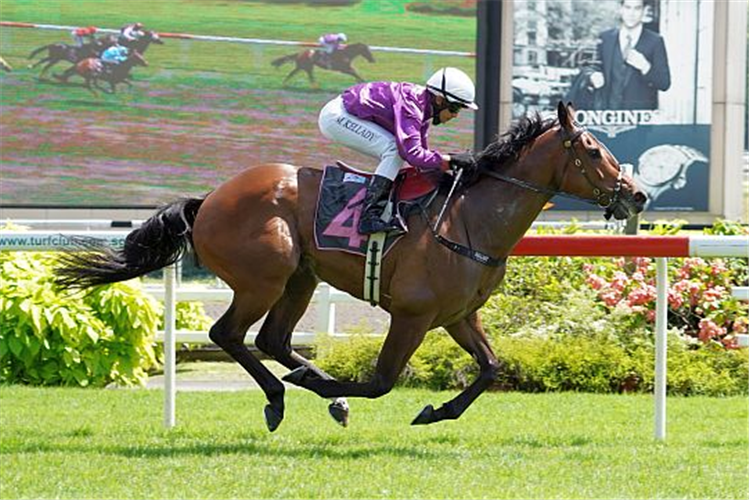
<point x="627" y="46"/>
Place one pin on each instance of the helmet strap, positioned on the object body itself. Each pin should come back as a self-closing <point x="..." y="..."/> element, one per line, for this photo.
<point x="437" y="109"/>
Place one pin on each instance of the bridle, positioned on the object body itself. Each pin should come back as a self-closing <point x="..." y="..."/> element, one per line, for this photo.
<point x="605" y="200"/>
<point x="602" y="198"/>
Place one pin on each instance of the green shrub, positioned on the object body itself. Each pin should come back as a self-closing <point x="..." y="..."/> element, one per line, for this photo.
<point x="563" y="364"/>
<point x="52" y="337"/>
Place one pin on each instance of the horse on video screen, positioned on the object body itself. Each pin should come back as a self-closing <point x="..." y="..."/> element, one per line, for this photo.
<point x="256" y="232"/>
<point x="93" y="70"/>
<point x="59" y="52"/>
<point x="341" y="61"/>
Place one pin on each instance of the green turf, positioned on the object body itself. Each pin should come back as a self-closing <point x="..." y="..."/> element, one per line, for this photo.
<point x="71" y="443"/>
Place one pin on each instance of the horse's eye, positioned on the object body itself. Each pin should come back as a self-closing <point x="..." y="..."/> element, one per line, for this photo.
<point x="595" y="153"/>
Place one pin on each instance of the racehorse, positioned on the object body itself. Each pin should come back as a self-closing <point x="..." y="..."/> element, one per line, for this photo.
<point x="92" y="70"/>
<point x="58" y="52"/>
<point x="140" y="46"/>
<point x="340" y="61"/>
<point x="255" y="231"/>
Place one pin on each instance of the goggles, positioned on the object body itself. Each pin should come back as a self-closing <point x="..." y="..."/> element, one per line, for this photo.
<point x="455" y="107"/>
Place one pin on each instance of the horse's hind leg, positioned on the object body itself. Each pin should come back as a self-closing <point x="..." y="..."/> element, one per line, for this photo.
<point x="39" y="62"/>
<point x="229" y="333"/>
<point x="405" y="335"/>
<point x="274" y="338"/>
<point x="470" y="335"/>
<point x="43" y="73"/>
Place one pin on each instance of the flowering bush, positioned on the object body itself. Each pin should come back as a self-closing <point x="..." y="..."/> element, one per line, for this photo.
<point x="700" y="304"/>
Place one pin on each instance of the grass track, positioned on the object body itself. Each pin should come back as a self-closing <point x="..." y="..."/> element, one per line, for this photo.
<point x="69" y="443"/>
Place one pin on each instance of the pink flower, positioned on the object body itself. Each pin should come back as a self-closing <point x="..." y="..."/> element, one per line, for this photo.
<point x="694" y="292"/>
<point x="675" y="300"/>
<point x="640" y="296"/>
<point x="650" y="316"/>
<point x="642" y="264"/>
<point x="595" y="282"/>
<point x="638" y="277"/>
<point x="708" y="330"/>
<point x="620" y="280"/>
<point x="740" y="325"/>
<point x="718" y="267"/>
<point x="611" y="297"/>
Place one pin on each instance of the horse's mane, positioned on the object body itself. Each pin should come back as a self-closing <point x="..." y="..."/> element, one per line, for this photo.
<point x="508" y="146"/>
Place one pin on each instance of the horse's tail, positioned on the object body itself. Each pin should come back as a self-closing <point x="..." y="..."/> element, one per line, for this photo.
<point x="35" y="52"/>
<point x="283" y="60"/>
<point x="159" y="242"/>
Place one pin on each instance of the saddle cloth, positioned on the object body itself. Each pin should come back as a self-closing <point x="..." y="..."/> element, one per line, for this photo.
<point x="340" y="202"/>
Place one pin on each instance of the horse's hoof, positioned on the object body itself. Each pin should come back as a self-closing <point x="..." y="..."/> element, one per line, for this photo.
<point x="273" y="417"/>
<point x="425" y="417"/>
<point x="339" y="410"/>
<point x="296" y="376"/>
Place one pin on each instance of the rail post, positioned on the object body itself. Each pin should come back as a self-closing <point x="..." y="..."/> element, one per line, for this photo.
<point x="661" y="324"/>
<point x="170" y="369"/>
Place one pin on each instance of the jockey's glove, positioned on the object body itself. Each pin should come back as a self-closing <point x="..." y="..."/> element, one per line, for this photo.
<point x="460" y="161"/>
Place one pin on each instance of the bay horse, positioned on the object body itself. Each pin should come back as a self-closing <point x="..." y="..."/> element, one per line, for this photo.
<point x="140" y="46"/>
<point x="341" y="61"/>
<point x="255" y="231"/>
<point x="93" y="69"/>
<point x="59" y="52"/>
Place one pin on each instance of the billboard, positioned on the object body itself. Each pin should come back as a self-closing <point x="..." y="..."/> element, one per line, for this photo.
<point x="639" y="73"/>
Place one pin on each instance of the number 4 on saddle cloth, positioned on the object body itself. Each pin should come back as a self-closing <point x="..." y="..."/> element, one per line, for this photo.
<point x="341" y="199"/>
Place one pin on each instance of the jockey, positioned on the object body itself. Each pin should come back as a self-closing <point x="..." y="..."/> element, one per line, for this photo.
<point x="80" y="34"/>
<point x="390" y="121"/>
<point x="130" y="33"/>
<point x="114" y="55"/>
<point x="330" y="42"/>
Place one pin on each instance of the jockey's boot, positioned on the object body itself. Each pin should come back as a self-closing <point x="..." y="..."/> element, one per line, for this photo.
<point x="375" y="201"/>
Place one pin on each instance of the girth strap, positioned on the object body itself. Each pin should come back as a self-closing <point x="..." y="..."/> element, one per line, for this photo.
<point x="472" y="254"/>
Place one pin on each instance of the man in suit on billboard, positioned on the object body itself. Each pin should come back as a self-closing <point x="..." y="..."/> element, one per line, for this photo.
<point x="632" y="62"/>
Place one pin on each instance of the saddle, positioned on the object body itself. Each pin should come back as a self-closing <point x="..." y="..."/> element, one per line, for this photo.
<point x="341" y="198"/>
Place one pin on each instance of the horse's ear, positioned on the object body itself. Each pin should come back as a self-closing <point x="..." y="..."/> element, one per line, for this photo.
<point x="564" y="115"/>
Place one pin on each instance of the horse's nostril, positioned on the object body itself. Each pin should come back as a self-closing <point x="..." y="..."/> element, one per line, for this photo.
<point x="640" y="197"/>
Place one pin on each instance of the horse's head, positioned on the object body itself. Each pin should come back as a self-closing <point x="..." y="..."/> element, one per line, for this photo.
<point x="592" y="172"/>
<point x="153" y="37"/>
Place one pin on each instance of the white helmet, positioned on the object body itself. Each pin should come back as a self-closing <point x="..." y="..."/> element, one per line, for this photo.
<point x="453" y="85"/>
<point x="342" y="37"/>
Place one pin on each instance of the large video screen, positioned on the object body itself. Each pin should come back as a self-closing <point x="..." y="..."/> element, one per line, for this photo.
<point x="220" y="92"/>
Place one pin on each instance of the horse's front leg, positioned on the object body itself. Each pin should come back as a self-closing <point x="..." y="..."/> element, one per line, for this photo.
<point x="288" y="77"/>
<point x="91" y="87"/>
<point x="405" y="335"/>
<point x="353" y="73"/>
<point x="471" y="337"/>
